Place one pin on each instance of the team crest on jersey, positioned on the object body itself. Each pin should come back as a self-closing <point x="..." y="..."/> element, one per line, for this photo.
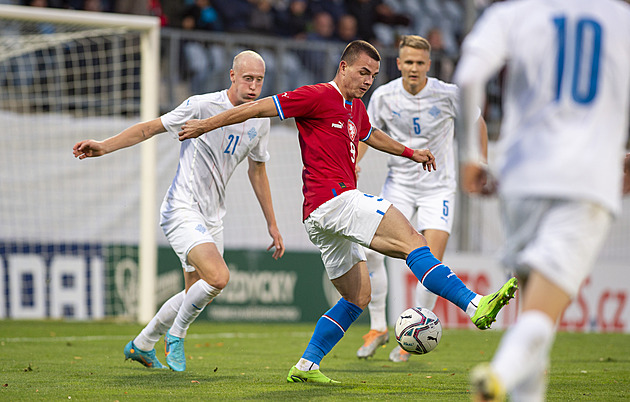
<point x="352" y="130"/>
<point x="434" y="111"/>
<point x="251" y="133"/>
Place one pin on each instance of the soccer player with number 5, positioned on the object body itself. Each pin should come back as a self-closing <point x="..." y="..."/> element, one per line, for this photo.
<point x="419" y="111"/>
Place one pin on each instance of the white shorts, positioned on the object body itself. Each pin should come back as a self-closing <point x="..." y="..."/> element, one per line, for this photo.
<point x="185" y="228"/>
<point x="341" y="225"/>
<point x="558" y="238"/>
<point x="433" y="210"/>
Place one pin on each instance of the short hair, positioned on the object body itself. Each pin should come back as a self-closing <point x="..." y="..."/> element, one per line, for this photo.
<point x="358" y="47"/>
<point x="414" y="41"/>
<point x="250" y="53"/>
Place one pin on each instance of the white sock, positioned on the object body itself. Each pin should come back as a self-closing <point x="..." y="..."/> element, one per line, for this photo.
<point x="471" y="309"/>
<point x="523" y="353"/>
<point x="532" y="389"/>
<point x="159" y="324"/>
<point x="424" y="297"/>
<point x="378" y="281"/>
<point x="196" y="299"/>
<point x="306" y="365"/>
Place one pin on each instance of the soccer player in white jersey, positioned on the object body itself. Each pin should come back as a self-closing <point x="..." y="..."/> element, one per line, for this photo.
<point x="417" y="111"/>
<point x="559" y="167"/>
<point x="193" y="208"/>
<point x="339" y="219"/>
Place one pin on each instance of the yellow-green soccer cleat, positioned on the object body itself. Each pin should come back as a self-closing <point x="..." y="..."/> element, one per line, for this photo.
<point x="315" y="376"/>
<point x="485" y="385"/>
<point x="490" y="305"/>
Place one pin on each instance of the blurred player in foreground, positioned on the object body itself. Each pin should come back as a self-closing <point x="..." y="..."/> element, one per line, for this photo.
<point x="561" y="154"/>
<point x="417" y="111"/>
<point x="193" y="208"/>
<point x="331" y="120"/>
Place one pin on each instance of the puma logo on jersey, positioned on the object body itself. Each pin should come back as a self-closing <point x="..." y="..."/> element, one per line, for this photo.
<point x="338" y="124"/>
<point x="396" y="113"/>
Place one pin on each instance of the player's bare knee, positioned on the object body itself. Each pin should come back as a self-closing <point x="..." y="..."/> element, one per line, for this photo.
<point x="217" y="277"/>
<point x="416" y="241"/>
<point x="221" y="281"/>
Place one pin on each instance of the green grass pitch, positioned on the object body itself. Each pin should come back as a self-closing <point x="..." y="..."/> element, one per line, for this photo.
<point x="54" y="360"/>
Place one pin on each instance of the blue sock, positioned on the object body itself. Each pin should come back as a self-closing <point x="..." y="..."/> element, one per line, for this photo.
<point x="439" y="278"/>
<point x="330" y="329"/>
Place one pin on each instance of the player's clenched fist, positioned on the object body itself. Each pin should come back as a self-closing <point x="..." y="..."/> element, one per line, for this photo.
<point x="192" y="129"/>
<point x="88" y="149"/>
<point x="425" y="157"/>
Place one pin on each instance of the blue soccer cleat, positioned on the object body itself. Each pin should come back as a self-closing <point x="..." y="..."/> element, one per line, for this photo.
<point x="174" y="351"/>
<point x="147" y="359"/>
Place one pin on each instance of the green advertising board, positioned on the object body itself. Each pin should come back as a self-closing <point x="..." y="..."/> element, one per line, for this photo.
<point x="294" y="288"/>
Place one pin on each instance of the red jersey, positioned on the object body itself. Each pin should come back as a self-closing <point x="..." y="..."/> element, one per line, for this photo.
<point x="330" y="129"/>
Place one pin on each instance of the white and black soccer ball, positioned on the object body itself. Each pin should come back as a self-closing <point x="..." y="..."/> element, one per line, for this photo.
<point x="418" y="330"/>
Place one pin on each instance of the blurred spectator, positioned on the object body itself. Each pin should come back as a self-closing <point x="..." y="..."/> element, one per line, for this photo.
<point x="293" y="20"/>
<point x="315" y="59"/>
<point x="442" y="65"/>
<point x="93" y="5"/>
<point x="262" y="17"/>
<point x="138" y="7"/>
<point x="347" y="28"/>
<point x="336" y="8"/>
<point x="365" y="13"/>
<point x="377" y="21"/>
<point x="203" y="65"/>
<point x="141" y="7"/>
<point x="42" y="3"/>
<point x="235" y="14"/>
<point x="201" y="15"/>
<point x="323" y="27"/>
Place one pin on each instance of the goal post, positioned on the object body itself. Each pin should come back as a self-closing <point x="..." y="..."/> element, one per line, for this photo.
<point x="89" y="74"/>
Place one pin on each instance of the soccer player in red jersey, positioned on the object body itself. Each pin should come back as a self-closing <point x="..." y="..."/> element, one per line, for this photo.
<point x="339" y="219"/>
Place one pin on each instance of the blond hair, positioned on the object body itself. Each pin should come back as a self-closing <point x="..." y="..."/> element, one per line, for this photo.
<point x="414" y="41"/>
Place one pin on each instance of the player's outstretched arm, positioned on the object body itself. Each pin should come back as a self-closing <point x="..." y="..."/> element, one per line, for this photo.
<point x="385" y="143"/>
<point x="260" y="108"/>
<point x="126" y="138"/>
<point x="257" y="174"/>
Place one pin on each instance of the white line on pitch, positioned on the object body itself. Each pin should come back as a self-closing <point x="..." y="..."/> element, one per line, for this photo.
<point x="221" y="335"/>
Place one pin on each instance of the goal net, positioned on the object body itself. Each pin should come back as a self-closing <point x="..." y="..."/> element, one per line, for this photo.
<point x="71" y="242"/>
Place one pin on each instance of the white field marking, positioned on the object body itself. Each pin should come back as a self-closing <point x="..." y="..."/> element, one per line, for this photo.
<point x="222" y="335"/>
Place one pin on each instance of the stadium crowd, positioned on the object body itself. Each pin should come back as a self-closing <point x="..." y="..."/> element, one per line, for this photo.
<point x="380" y="22"/>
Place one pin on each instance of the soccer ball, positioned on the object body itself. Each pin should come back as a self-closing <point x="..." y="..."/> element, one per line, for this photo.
<point x="418" y="330"/>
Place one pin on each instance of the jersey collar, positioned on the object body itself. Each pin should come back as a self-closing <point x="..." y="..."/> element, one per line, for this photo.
<point x="345" y="101"/>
